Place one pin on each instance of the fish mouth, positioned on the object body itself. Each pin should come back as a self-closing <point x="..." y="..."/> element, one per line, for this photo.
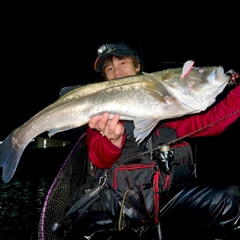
<point x="219" y="78"/>
<point x="216" y="74"/>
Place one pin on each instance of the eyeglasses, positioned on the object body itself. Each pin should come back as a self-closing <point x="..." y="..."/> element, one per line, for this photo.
<point x="105" y="48"/>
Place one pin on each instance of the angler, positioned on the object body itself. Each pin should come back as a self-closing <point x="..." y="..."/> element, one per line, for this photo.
<point x="147" y="188"/>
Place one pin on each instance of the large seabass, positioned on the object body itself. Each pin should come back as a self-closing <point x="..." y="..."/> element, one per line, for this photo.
<point x="145" y="99"/>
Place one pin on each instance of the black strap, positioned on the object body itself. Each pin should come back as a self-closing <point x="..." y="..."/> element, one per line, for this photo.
<point x="80" y="206"/>
<point x="85" y="202"/>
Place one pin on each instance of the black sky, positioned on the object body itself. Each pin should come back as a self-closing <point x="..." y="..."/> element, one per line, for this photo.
<point x="49" y="46"/>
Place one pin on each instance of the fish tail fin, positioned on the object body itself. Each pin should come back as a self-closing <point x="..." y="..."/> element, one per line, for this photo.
<point x="9" y="159"/>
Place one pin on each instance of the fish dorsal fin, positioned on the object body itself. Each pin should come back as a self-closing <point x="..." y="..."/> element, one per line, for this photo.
<point x="143" y="127"/>
<point x="187" y="67"/>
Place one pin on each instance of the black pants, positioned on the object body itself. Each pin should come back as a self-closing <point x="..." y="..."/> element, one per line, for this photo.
<point x="201" y="212"/>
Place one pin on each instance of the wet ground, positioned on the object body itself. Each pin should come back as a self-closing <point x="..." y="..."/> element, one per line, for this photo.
<point x="21" y="199"/>
<point x="21" y="203"/>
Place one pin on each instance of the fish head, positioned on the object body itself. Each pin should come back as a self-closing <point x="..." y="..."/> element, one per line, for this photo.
<point x="197" y="88"/>
<point x="206" y="82"/>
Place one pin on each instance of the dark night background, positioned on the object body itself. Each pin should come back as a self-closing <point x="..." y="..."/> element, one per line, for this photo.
<point x="48" y="46"/>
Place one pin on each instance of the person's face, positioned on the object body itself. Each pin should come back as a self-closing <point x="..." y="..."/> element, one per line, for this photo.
<point x="120" y="68"/>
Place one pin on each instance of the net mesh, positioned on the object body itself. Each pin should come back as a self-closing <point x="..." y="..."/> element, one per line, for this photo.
<point x="73" y="173"/>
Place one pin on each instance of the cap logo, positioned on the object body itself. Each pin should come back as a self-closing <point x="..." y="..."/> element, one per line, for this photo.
<point x="113" y="49"/>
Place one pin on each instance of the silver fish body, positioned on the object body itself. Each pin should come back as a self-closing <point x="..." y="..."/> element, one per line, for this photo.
<point x="144" y="99"/>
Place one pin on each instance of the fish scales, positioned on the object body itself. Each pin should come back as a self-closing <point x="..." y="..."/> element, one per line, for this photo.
<point x="144" y="99"/>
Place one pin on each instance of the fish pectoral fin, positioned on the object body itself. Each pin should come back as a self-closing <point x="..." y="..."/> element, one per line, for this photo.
<point x="143" y="127"/>
<point x="187" y="67"/>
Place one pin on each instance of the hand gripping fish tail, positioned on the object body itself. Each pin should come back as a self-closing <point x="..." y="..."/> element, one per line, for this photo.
<point x="144" y="99"/>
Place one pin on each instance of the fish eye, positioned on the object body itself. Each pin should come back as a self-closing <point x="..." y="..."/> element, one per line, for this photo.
<point x="201" y="70"/>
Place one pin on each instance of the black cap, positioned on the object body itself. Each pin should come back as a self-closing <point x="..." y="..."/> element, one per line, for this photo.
<point x="118" y="49"/>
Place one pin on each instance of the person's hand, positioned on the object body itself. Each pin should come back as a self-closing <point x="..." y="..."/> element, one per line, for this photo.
<point x="110" y="128"/>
